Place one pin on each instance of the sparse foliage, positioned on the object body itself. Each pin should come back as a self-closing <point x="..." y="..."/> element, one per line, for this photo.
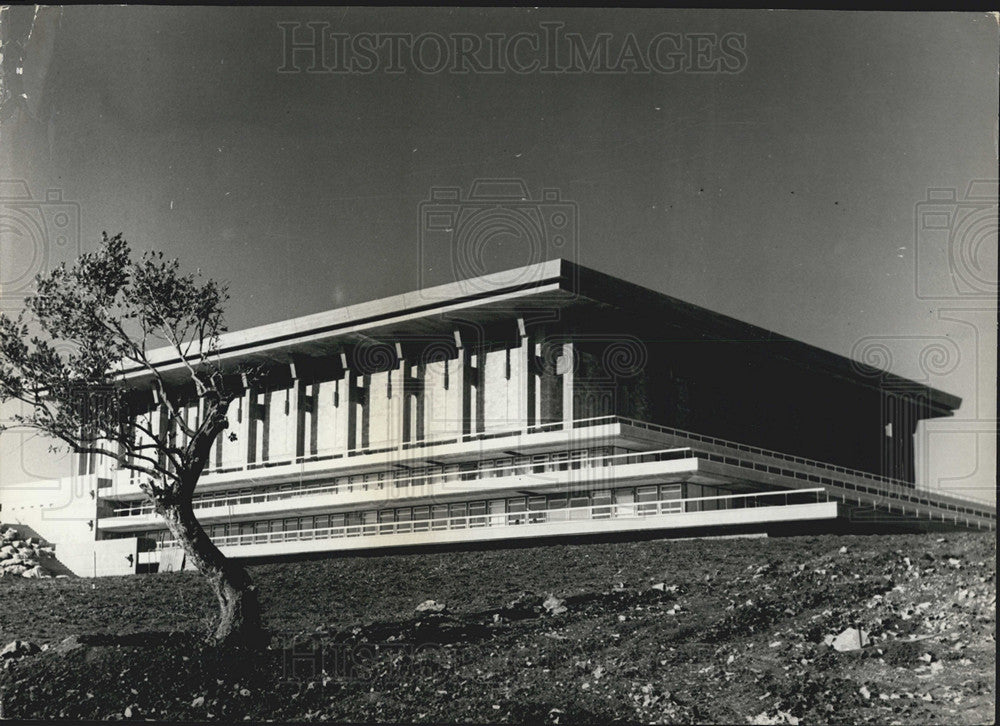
<point x="86" y="358"/>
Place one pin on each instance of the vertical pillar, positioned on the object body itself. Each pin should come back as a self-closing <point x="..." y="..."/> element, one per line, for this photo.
<point x="413" y="397"/>
<point x="564" y="369"/>
<point x="395" y="384"/>
<point x="160" y="422"/>
<point x="456" y="384"/>
<point x="520" y="358"/>
<point x="357" y="408"/>
<point x="471" y="366"/>
<point x="341" y="406"/>
<point x="243" y="442"/>
<point x="258" y="415"/>
<point x="294" y="428"/>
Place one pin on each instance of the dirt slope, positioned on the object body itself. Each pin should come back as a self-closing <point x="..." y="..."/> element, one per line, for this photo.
<point x="710" y="631"/>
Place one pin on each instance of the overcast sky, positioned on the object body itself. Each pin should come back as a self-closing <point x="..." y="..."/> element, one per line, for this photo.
<point x="780" y="186"/>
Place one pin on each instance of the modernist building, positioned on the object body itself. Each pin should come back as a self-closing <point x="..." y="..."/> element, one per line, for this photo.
<point x="545" y="402"/>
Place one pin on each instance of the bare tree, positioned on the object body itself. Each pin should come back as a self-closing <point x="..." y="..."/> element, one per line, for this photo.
<point x="78" y="357"/>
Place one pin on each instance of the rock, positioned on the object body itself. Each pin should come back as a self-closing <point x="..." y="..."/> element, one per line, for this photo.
<point x="865" y="693"/>
<point x="850" y="639"/>
<point x="525" y="602"/>
<point x="199" y="701"/>
<point x="16" y="569"/>
<point x="35" y="572"/>
<point x="69" y="644"/>
<point x="554" y="605"/>
<point x="18" y="649"/>
<point x="843" y="550"/>
<point x="661" y="586"/>
<point x="430" y="606"/>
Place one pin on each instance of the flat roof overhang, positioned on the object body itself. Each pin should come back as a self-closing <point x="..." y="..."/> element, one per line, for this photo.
<point x="531" y="292"/>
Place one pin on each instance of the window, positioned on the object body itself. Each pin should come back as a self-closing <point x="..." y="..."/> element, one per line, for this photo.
<point x="646" y="496"/>
<point x="694" y="491"/>
<point x="460" y="512"/>
<point x="516" y="509"/>
<point x="601" y="503"/>
<point x="350" y="522"/>
<point x="624" y="506"/>
<point x="668" y="493"/>
<point x="536" y="509"/>
<point x="477" y="512"/>
<point x="578" y="507"/>
<point x="439" y="516"/>
<point x="498" y="507"/>
<point x="556" y="503"/>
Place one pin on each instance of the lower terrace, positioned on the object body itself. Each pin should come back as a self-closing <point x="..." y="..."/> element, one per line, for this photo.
<point x="741" y="465"/>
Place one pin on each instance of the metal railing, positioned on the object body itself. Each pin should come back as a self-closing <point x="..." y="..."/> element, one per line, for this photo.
<point x="332" y="453"/>
<point x="630" y="511"/>
<point x="422" y="480"/>
<point x="854" y="480"/>
<point x="883" y="486"/>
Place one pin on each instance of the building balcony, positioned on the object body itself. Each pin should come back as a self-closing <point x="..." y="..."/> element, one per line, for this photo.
<point x="322" y="464"/>
<point x="557" y="472"/>
<point x="717" y="461"/>
<point x="697" y="512"/>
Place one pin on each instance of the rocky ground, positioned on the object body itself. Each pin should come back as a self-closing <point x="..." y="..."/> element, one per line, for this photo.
<point x="832" y="629"/>
<point x="22" y="556"/>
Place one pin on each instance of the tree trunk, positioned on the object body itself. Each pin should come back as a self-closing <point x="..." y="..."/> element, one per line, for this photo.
<point x="239" y="612"/>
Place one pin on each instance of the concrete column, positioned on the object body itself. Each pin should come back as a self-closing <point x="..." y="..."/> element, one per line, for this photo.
<point x="243" y="442"/>
<point x="297" y="408"/>
<point x="456" y="383"/>
<point x="357" y="393"/>
<point x="564" y="369"/>
<point x="471" y="366"/>
<point x="413" y="413"/>
<point x="520" y="359"/>
<point x="395" y="384"/>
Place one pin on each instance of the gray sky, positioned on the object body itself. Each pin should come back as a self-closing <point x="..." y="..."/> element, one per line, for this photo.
<point x="784" y="194"/>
